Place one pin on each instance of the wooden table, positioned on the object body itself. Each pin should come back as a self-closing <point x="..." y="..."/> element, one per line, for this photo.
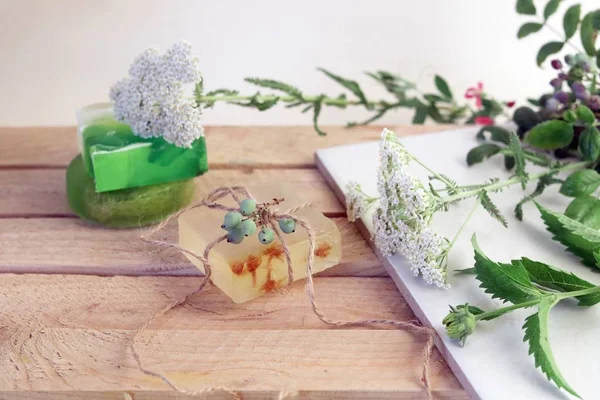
<point x="72" y="295"/>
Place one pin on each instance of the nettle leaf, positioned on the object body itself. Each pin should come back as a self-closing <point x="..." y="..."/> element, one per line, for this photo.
<point x="550" y="135"/>
<point x="443" y="87"/>
<point x="526" y="7"/>
<point x="561" y="281"/>
<point x="504" y="281"/>
<point x="551" y="8"/>
<point x="581" y="183"/>
<point x="588" y="33"/>
<point x="571" y="20"/>
<point x="491" y="208"/>
<point x="589" y="143"/>
<point x="528" y="28"/>
<point x="519" y="156"/>
<point x="536" y="333"/>
<point x="481" y="152"/>
<point x="547" y="50"/>
<point x="543" y="182"/>
<point x="352" y="86"/>
<point x="581" y="240"/>
<point x="276" y="85"/>
<point x="497" y="133"/>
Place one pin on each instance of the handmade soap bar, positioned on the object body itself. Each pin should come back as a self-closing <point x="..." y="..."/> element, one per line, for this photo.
<point x="250" y="269"/>
<point x="117" y="159"/>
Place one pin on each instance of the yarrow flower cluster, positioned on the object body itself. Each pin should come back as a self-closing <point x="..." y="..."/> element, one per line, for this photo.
<point x="152" y="99"/>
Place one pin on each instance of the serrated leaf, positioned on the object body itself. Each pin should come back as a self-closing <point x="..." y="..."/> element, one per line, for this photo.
<point x="276" y="85"/>
<point x="420" y="115"/>
<point x="491" y="208"/>
<point x="497" y="133"/>
<point x="536" y="333"/>
<point x="571" y="20"/>
<point x="526" y="7"/>
<point x="352" y="86"/>
<point x="581" y="183"/>
<point x="578" y="238"/>
<point x="519" y="156"/>
<point x="316" y="113"/>
<point x="504" y="281"/>
<point x="588" y="34"/>
<point x="561" y="281"/>
<point x="443" y="87"/>
<point x="528" y="28"/>
<point x="481" y="152"/>
<point x="551" y="8"/>
<point x="547" y="50"/>
<point x="550" y="135"/>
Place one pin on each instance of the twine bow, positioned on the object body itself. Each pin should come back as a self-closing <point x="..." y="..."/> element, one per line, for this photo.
<point x="268" y="218"/>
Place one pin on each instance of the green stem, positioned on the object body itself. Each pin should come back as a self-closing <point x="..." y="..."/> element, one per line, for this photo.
<point x="577" y="293"/>
<point x="464" y="224"/>
<point x="512" y="181"/>
<point x="288" y="99"/>
<point x="501" y="311"/>
<point x="563" y="39"/>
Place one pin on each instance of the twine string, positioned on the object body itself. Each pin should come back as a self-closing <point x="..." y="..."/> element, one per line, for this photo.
<point x="269" y="219"/>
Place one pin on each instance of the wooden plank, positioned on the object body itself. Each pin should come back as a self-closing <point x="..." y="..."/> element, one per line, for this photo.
<point x="69" y="245"/>
<point x="63" y="334"/>
<point x="42" y="192"/>
<point x="228" y="146"/>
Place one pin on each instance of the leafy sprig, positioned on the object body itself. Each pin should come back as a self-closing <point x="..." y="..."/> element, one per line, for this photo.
<point x="523" y="283"/>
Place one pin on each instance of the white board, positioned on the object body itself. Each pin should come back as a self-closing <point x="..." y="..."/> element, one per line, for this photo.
<point x="494" y="364"/>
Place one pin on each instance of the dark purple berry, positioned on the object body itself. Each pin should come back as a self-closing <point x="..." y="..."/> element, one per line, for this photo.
<point x="594" y="103"/>
<point x="563" y="76"/>
<point x="556" y="83"/>
<point x="556" y="64"/>
<point x="561" y="96"/>
<point x="579" y="91"/>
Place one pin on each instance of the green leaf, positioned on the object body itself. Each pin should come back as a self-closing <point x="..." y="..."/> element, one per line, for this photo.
<point x="581" y="183"/>
<point x="561" y="281"/>
<point x="551" y="8"/>
<point x="534" y="102"/>
<point x="276" y="85"/>
<point x="550" y="135"/>
<point x="543" y="182"/>
<point x="432" y="98"/>
<point x="519" y="156"/>
<point x="481" y="152"/>
<point x="598" y="58"/>
<point x="547" y="50"/>
<point x="316" y="113"/>
<point x="526" y="7"/>
<point x="443" y="87"/>
<point x="571" y="20"/>
<point x="528" y="28"/>
<point x="536" y="333"/>
<point x="352" y="86"/>
<point x="585" y="209"/>
<point x="504" y="281"/>
<point x="420" y="115"/>
<point x="491" y="208"/>
<point x="588" y="34"/>
<point x="497" y="133"/>
<point x="589" y="143"/>
<point x="579" y="239"/>
<point x="570" y="116"/>
<point x="585" y="114"/>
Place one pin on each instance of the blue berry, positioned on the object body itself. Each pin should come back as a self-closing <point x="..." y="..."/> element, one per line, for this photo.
<point x="287" y="225"/>
<point x="247" y="206"/>
<point x="235" y="236"/>
<point x="266" y="235"/>
<point x="232" y="219"/>
<point x="248" y="227"/>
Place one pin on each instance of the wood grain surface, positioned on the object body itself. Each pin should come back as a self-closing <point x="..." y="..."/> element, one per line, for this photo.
<point x="68" y="316"/>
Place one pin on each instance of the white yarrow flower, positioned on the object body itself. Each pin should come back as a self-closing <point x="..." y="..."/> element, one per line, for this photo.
<point x="357" y="201"/>
<point x="152" y="100"/>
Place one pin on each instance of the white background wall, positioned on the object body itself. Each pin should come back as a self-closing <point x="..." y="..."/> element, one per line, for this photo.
<point x="58" y="55"/>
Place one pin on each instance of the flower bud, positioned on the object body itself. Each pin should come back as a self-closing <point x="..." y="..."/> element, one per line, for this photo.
<point x="562" y="97"/>
<point x="460" y="323"/>
<point x="556" y="64"/>
<point x="579" y="91"/>
<point x="556" y="83"/>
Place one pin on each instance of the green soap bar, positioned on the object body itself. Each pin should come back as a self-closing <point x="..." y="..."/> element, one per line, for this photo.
<point x="127" y="208"/>
<point x="118" y="159"/>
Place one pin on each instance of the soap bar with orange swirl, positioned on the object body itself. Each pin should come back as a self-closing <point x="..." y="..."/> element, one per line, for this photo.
<point x="250" y="269"/>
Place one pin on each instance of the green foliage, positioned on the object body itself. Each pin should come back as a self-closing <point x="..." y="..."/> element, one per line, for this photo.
<point x="276" y="85"/>
<point x="316" y="113"/>
<point x="571" y="20"/>
<point x="536" y="333"/>
<point x="491" y="208"/>
<point x="585" y="209"/>
<point x="551" y="8"/>
<point x="543" y="182"/>
<point x="481" y="152"/>
<point x="443" y="87"/>
<point x="420" y="115"/>
<point x="519" y="157"/>
<point x="547" y="50"/>
<point x="584" y="114"/>
<point x="497" y="133"/>
<point x="588" y="34"/>
<point x="526" y="7"/>
<point x="581" y="183"/>
<point x="352" y="86"/>
<point x="550" y="135"/>
<point x="528" y="28"/>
